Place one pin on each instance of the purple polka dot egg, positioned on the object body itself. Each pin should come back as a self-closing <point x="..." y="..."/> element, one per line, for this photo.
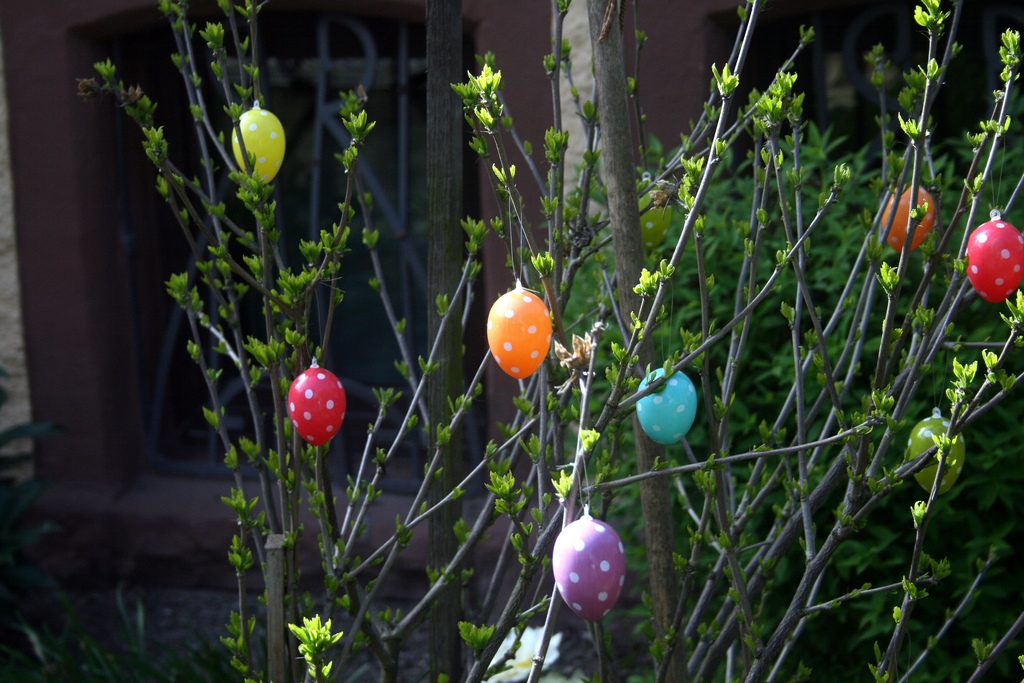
<point x="589" y="563"/>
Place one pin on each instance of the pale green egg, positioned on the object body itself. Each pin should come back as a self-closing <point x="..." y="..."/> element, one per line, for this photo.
<point x="921" y="440"/>
<point x="654" y="224"/>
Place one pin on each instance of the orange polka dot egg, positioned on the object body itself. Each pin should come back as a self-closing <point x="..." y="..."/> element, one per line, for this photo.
<point x="519" y="332"/>
<point x="898" y="231"/>
<point x="263" y="136"/>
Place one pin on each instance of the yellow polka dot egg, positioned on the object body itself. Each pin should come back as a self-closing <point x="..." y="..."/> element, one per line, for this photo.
<point x="263" y="136"/>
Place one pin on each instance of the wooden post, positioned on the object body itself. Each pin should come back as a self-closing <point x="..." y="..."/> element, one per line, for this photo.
<point x="444" y="263"/>
<point x="277" y="644"/>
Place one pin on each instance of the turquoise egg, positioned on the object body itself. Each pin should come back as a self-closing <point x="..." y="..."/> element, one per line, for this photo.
<point x="667" y="415"/>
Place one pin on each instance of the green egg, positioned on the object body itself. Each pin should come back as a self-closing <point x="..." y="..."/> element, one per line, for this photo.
<point x="654" y="224"/>
<point x="921" y="440"/>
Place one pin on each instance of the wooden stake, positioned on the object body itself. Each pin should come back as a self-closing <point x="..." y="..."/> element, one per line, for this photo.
<point x="277" y="652"/>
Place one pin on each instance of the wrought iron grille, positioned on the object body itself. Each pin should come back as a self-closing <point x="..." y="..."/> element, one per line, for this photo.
<point x="834" y="75"/>
<point x="308" y="60"/>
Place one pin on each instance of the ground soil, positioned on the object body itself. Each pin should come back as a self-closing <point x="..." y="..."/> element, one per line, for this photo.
<point x="180" y="620"/>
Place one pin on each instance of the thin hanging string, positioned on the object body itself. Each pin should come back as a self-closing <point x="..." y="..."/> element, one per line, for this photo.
<point x="585" y="488"/>
<point x="319" y="317"/>
<point x="511" y="240"/>
<point x="520" y="273"/>
<point x="585" y="484"/>
<point x="937" y="374"/>
<point x="1002" y="167"/>
<point x="671" y="320"/>
<point x="522" y="238"/>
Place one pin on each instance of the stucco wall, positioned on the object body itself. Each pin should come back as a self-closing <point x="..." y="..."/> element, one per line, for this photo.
<point x="576" y="29"/>
<point x="12" y="341"/>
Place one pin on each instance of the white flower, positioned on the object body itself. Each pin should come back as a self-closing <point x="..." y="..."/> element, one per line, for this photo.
<point x="574" y="677"/>
<point x="521" y="661"/>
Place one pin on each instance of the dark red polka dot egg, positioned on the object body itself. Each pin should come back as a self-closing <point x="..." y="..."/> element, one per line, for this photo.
<point x="316" y="405"/>
<point x="589" y="564"/>
<point x="995" y="260"/>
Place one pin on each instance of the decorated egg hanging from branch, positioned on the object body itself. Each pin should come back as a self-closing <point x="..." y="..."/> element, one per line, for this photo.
<point x="921" y="440"/>
<point x="898" y="231"/>
<point x="316" y="405"/>
<point x="263" y="136"/>
<point x="519" y="332"/>
<point x="589" y="564"/>
<point x="654" y="223"/>
<point x="667" y="414"/>
<point x="995" y="259"/>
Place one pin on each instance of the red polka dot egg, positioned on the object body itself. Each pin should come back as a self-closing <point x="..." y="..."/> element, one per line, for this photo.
<point x="519" y="332"/>
<point x="589" y="563"/>
<point x="316" y="405"/>
<point x="263" y="136"/>
<point x="995" y="259"/>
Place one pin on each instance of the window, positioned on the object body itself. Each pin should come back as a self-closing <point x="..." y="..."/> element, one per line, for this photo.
<point x="836" y="81"/>
<point x="307" y="59"/>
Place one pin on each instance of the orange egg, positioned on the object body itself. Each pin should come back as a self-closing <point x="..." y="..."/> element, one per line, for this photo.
<point x="519" y="332"/>
<point x="898" y="233"/>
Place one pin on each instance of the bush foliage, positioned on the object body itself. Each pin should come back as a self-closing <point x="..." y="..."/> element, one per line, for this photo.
<point x="780" y="538"/>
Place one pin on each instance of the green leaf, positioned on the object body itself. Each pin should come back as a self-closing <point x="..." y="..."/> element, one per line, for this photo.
<point x="476" y="637"/>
